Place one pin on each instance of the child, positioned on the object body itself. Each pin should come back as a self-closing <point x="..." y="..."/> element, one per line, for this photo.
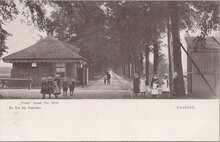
<point x="185" y="84"/>
<point x="50" y="85"/>
<point x="71" y="87"/>
<point x="136" y="85"/>
<point x="65" y="87"/>
<point x="57" y="79"/>
<point x="142" y="85"/>
<point x="155" y="86"/>
<point x="165" y="86"/>
<point x="56" y="91"/>
<point x="43" y="87"/>
<point x="176" y="86"/>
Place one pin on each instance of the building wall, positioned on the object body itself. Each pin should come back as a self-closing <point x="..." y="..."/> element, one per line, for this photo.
<point x="25" y="70"/>
<point x="74" y="70"/>
<point x="20" y="70"/>
<point x="208" y="63"/>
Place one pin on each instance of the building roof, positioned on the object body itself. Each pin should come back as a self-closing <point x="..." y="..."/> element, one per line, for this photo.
<point x="211" y="43"/>
<point x="46" y="49"/>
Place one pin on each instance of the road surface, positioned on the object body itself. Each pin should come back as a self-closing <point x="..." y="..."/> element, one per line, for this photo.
<point x="120" y="88"/>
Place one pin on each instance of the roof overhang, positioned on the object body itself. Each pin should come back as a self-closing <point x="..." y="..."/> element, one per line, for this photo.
<point x="81" y="61"/>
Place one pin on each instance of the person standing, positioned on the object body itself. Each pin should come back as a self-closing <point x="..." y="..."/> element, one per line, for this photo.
<point x="65" y="87"/>
<point x="185" y="84"/>
<point x="155" y="86"/>
<point x="136" y="85"/>
<point x="30" y="80"/>
<point x="50" y="85"/>
<point x="56" y="91"/>
<point x="72" y="87"/>
<point x="108" y="78"/>
<point x="105" y="79"/>
<point x="57" y="79"/>
<point x="43" y="87"/>
<point x="165" y="86"/>
<point x="142" y="86"/>
<point x="176" y="84"/>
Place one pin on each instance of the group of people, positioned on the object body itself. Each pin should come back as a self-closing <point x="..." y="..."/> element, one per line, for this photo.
<point x="139" y="85"/>
<point x="53" y="86"/>
<point x="107" y="78"/>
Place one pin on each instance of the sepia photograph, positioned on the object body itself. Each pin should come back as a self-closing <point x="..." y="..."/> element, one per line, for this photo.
<point x="151" y="51"/>
<point x="110" y="50"/>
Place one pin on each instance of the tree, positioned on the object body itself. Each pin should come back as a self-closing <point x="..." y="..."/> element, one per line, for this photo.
<point x="177" y="49"/>
<point x="137" y="35"/>
<point x="188" y="15"/>
<point x="7" y="12"/>
<point x="156" y="58"/>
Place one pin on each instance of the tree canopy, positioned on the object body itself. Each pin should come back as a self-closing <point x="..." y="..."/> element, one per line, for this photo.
<point x="110" y="33"/>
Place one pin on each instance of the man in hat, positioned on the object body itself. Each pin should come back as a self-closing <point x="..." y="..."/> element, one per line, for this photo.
<point x="108" y="78"/>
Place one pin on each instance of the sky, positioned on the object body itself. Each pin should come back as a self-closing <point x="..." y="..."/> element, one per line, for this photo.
<point x="22" y="37"/>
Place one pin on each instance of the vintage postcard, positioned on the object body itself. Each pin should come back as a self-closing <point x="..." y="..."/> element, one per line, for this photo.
<point x="109" y="70"/>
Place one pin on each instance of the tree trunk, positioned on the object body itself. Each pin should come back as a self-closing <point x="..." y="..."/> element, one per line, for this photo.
<point x="141" y="63"/>
<point x="136" y="63"/>
<point x="130" y="69"/>
<point x="156" y="58"/>
<point x="147" y="65"/>
<point x="176" y="48"/>
<point x="124" y="69"/>
<point x="169" y="50"/>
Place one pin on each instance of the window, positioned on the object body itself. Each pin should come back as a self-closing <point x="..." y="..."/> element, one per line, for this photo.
<point x="60" y="69"/>
<point x="24" y="72"/>
<point x="34" y="65"/>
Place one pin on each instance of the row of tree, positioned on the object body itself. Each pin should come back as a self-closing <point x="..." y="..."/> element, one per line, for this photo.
<point x="118" y="34"/>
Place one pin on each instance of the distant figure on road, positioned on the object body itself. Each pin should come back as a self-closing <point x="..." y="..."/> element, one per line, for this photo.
<point x="65" y="86"/>
<point x="105" y="79"/>
<point x="72" y="86"/>
<point x="143" y="85"/>
<point x="43" y="87"/>
<point x="165" y="86"/>
<point x="155" y="86"/>
<point x="108" y="78"/>
<point x="56" y="91"/>
<point x="136" y="85"/>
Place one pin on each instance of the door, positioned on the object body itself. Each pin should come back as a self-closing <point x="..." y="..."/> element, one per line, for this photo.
<point x="80" y="75"/>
